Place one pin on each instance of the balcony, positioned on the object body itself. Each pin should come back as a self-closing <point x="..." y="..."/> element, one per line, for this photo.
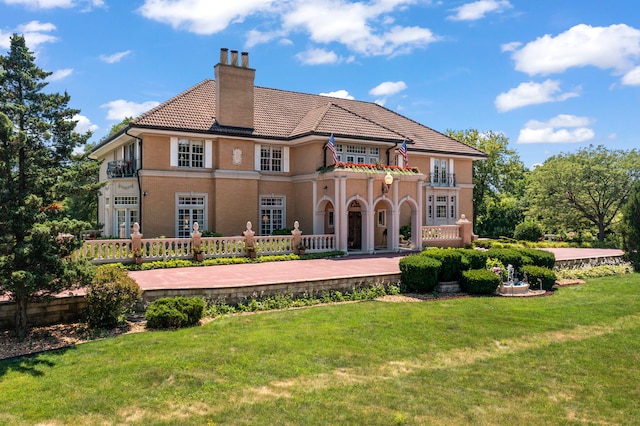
<point x="122" y="169"/>
<point x="443" y="179"/>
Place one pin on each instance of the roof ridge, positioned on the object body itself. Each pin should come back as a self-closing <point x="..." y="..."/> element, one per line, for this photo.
<point x="170" y="101"/>
<point x="368" y="119"/>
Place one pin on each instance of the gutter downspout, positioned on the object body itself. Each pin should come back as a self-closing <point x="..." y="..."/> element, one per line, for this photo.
<point x="390" y="148"/>
<point x="140" y="195"/>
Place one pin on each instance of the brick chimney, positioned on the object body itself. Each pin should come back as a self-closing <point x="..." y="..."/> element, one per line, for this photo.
<point x="234" y="90"/>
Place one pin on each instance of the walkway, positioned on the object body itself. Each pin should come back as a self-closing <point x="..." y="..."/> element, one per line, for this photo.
<point x="252" y="274"/>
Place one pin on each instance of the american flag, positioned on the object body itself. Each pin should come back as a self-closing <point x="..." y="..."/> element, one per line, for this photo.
<point x="332" y="147"/>
<point x="403" y="151"/>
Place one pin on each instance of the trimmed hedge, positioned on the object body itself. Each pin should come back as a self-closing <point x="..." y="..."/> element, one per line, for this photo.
<point x="548" y="277"/>
<point x="536" y="257"/>
<point x="419" y="273"/>
<point x="528" y="231"/>
<point x="174" y="312"/>
<point x="479" y="281"/>
<point x="451" y="260"/>
<point x="473" y="259"/>
<point x="507" y="256"/>
<point x="111" y="294"/>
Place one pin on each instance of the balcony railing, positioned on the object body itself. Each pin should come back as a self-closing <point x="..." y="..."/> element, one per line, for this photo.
<point x="122" y="169"/>
<point x="443" y="179"/>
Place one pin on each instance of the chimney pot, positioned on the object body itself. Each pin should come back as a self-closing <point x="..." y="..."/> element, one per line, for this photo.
<point x="224" y="56"/>
<point x="234" y="58"/>
<point x="245" y="59"/>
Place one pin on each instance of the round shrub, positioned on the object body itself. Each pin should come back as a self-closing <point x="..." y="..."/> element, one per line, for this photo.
<point x="451" y="260"/>
<point x="111" y="294"/>
<point x="528" y="231"/>
<point x="479" y="281"/>
<point x="174" y="312"/>
<point x="473" y="259"/>
<point x="548" y="277"/>
<point x="538" y="258"/>
<point x="507" y="256"/>
<point x="419" y="273"/>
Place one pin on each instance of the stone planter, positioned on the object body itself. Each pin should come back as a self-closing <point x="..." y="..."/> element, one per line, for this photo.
<point x="198" y="257"/>
<point x="138" y="260"/>
<point x="251" y="254"/>
<point x="514" y="289"/>
<point x="448" y="287"/>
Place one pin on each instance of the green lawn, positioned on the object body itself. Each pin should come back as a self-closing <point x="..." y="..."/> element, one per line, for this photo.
<point x="572" y="358"/>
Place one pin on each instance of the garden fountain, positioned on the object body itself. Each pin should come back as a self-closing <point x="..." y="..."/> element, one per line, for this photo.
<point x="513" y="286"/>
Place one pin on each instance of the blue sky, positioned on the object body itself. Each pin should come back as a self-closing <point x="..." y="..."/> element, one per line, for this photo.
<point x="553" y="76"/>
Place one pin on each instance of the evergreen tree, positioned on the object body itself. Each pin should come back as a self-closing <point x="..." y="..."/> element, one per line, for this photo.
<point x="631" y="227"/>
<point x="37" y="139"/>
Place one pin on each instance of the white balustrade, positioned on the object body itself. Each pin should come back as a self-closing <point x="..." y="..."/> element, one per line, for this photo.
<point x="444" y="232"/>
<point x="274" y="244"/>
<point x="166" y="248"/>
<point x="319" y="243"/>
<point x="223" y="246"/>
<point x="106" y="251"/>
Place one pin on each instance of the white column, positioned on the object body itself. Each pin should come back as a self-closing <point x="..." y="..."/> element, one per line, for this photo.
<point x="316" y="217"/>
<point x="417" y="232"/>
<point x="370" y="222"/>
<point x="393" y="228"/>
<point x="344" y="215"/>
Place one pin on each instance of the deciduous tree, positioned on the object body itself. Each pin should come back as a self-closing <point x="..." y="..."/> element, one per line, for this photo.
<point x="583" y="189"/>
<point x="631" y="227"/>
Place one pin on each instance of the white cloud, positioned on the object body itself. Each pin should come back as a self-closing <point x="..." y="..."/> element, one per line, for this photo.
<point x="478" y="9"/>
<point x="202" y="16"/>
<point x="318" y="57"/>
<point x="60" y="74"/>
<point x="563" y="128"/>
<point x="632" y="78"/>
<point x="532" y="93"/>
<point x="338" y="94"/>
<point x="614" y="47"/>
<point x="388" y="88"/>
<point x="116" y="57"/>
<point x="83" y="124"/>
<point x="510" y="47"/>
<point x="121" y="109"/>
<point x="41" y="4"/>
<point x="35" y="33"/>
<point x="365" y="28"/>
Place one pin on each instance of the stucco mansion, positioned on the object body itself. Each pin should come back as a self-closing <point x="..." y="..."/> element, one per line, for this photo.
<point x="225" y="152"/>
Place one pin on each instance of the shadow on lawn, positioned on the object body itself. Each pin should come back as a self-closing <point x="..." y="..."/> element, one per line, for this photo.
<point x="31" y="363"/>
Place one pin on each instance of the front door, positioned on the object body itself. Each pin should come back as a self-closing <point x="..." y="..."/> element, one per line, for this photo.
<point x="355" y="230"/>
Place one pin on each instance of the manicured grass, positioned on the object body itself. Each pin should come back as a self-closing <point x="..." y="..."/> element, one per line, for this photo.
<point x="573" y="358"/>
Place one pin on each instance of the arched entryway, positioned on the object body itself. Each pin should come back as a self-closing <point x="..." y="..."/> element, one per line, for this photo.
<point x="410" y="218"/>
<point x="354" y="226"/>
<point x="382" y="226"/>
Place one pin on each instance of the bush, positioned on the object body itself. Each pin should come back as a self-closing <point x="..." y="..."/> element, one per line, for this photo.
<point x="419" y="273"/>
<point x="536" y="257"/>
<point x="507" y="256"/>
<point x="534" y="273"/>
<point x="174" y="312"/>
<point x="451" y="260"/>
<point x="111" y="294"/>
<point x="528" y="231"/>
<point x="473" y="259"/>
<point x="479" y="281"/>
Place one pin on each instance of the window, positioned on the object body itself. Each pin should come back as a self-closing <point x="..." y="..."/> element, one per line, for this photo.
<point x="190" y="209"/>
<point x="382" y="218"/>
<point x="272" y="214"/>
<point x="441" y="211"/>
<point x="330" y="218"/>
<point x="271" y="158"/>
<point x="190" y="153"/>
<point x="358" y="154"/>
<point x="126" y="214"/>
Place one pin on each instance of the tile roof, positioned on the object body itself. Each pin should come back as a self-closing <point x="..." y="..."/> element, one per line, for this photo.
<point x="284" y="115"/>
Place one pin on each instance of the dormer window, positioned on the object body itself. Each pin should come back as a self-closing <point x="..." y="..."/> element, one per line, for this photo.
<point x="190" y="153"/>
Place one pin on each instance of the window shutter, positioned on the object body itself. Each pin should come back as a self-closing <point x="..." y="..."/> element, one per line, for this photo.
<point x="285" y="159"/>
<point x="207" y="155"/>
<point x="173" y="162"/>
<point x="256" y="164"/>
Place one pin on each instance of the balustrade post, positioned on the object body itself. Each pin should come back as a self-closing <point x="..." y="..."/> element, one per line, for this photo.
<point x="298" y="247"/>
<point x="249" y="241"/>
<point x="136" y="243"/>
<point x="196" y="242"/>
<point x="466" y="230"/>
